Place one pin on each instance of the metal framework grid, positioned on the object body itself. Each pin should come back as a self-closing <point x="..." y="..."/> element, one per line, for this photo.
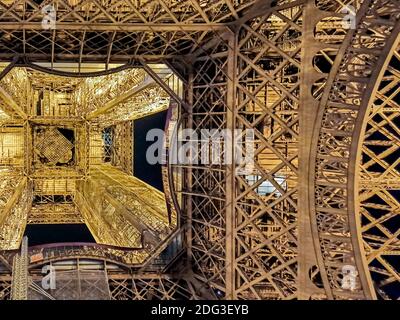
<point x="253" y="64"/>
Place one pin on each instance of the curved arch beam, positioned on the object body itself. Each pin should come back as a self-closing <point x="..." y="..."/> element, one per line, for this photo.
<point x="357" y="142"/>
<point x="337" y="235"/>
<point x="55" y="72"/>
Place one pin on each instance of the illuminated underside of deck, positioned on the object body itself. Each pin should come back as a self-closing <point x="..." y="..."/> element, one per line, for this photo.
<point x="66" y="155"/>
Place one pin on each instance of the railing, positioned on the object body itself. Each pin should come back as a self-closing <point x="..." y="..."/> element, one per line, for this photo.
<point x="129" y="257"/>
<point x="62" y="251"/>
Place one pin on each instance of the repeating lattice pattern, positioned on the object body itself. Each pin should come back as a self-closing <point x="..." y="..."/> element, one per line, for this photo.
<point x="344" y="104"/>
<point x="117" y="35"/>
<point x="379" y="184"/>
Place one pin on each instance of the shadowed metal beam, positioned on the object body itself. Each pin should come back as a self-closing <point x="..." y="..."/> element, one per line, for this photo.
<point x="5" y="262"/>
<point x="7" y="69"/>
<point x="123" y="27"/>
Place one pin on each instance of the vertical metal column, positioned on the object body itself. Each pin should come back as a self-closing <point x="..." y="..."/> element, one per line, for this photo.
<point x="20" y="277"/>
<point x="230" y="214"/>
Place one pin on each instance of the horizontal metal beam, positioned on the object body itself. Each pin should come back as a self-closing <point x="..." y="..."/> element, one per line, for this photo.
<point x="117" y="58"/>
<point x="5" y="263"/>
<point x="72" y="121"/>
<point x="12" y="122"/>
<point x="123" y="27"/>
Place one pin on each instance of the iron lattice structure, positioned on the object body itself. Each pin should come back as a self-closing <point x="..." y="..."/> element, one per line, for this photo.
<point x="319" y="89"/>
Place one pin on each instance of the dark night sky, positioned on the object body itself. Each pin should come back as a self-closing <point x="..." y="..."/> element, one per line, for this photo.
<point x="53" y="233"/>
<point x="41" y="234"/>
<point x="142" y="169"/>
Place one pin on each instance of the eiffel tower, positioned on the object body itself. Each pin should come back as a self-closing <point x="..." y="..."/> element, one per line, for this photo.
<point x="302" y="204"/>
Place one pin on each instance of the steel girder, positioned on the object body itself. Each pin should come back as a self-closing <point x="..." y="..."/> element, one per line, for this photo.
<point x="294" y="242"/>
<point x="87" y="29"/>
<point x="117" y="282"/>
<point x="230" y="247"/>
<point x="378" y="182"/>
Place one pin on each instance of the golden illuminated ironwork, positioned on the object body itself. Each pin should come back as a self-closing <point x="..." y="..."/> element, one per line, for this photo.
<point x="121" y="210"/>
<point x="316" y="81"/>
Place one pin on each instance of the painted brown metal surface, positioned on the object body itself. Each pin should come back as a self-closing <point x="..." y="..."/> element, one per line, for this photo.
<point x="316" y="81"/>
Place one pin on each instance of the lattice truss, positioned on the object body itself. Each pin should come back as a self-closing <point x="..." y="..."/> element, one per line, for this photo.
<point x="119" y="33"/>
<point x="322" y="194"/>
<point x="151" y="288"/>
<point x="244" y="242"/>
<point x="349" y="92"/>
<point x="205" y="17"/>
<point x="76" y="285"/>
<point x="100" y="279"/>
